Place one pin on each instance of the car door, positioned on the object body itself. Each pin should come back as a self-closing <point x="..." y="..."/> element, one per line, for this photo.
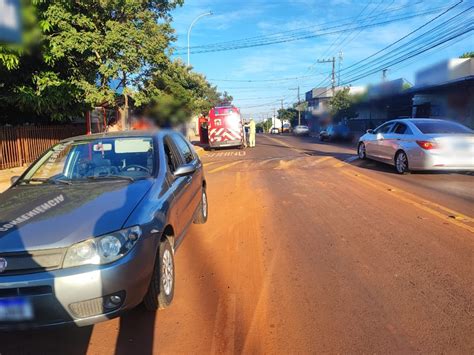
<point x="388" y="145"/>
<point x="401" y="135"/>
<point x="376" y="145"/>
<point x="190" y="194"/>
<point x="177" y="184"/>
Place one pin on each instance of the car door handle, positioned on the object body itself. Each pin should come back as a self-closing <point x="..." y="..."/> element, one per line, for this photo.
<point x="189" y="180"/>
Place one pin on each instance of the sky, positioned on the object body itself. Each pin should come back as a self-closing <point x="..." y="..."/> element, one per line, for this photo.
<point x="277" y="70"/>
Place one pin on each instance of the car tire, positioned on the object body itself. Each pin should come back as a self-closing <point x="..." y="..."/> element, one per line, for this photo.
<point x="161" y="289"/>
<point x="203" y="209"/>
<point x="401" y="163"/>
<point x="361" y="152"/>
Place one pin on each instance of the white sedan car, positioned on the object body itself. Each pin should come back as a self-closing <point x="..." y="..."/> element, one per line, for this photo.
<point x="420" y="144"/>
<point x="301" y="130"/>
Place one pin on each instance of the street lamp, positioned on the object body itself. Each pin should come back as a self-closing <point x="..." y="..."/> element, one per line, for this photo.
<point x="191" y="26"/>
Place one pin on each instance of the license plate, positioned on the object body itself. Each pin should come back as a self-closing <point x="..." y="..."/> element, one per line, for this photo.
<point x="15" y="309"/>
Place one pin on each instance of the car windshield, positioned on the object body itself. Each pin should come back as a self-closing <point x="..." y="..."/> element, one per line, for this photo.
<point x="88" y="160"/>
<point x="441" y="127"/>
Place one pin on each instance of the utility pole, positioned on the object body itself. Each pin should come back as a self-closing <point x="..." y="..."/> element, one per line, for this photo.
<point x="339" y="69"/>
<point x="281" y="119"/>
<point x="384" y="75"/>
<point x="298" y="106"/>
<point x="274" y="119"/>
<point x="333" y="73"/>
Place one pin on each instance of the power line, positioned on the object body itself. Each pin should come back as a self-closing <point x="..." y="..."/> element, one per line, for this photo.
<point x="407" y="35"/>
<point x="433" y="32"/>
<point x="436" y="44"/>
<point x="433" y="35"/>
<point x="307" y="36"/>
<point x="293" y="32"/>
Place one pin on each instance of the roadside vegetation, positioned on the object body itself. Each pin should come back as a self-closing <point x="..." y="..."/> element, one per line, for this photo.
<point x="78" y="55"/>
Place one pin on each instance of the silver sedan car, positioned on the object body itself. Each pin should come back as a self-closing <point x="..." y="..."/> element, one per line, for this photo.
<point x="301" y="130"/>
<point x="420" y="144"/>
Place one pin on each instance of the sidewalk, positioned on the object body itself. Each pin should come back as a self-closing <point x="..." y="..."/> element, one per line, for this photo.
<point x="6" y="174"/>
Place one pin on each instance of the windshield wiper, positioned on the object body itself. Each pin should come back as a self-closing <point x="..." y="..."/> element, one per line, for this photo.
<point x="45" y="180"/>
<point x="111" y="177"/>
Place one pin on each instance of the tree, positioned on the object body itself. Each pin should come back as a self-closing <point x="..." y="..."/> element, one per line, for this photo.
<point x="342" y="105"/>
<point x="124" y="42"/>
<point x="82" y="54"/>
<point x="467" y="55"/>
<point x="225" y="99"/>
<point x="31" y="82"/>
<point x="289" y="114"/>
<point x="267" y="124"/>
<point x="176" y="93"/>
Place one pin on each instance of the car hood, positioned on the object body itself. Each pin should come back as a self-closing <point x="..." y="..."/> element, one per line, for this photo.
<point x="56" y="216"/>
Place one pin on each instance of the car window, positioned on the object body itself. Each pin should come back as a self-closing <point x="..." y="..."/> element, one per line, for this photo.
<point x="183" y="148"/>
<point x="401" y="128"/>
<point x="171" y="158"/>
<point x="132" y="157"/>
<point x="385" y="128"/>
<point x="441" y="127"/>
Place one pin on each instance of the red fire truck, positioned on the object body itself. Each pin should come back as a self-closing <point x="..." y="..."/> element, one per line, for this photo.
<point x="225" y="127"/>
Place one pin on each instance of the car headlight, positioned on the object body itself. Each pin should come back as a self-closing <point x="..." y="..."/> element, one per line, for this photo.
<point x="104" y="249"/>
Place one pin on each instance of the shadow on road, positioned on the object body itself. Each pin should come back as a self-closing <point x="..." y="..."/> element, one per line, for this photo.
<point x="390" y="169"/>
<point x="59" y="340"/>
<point x="136" y="332"/>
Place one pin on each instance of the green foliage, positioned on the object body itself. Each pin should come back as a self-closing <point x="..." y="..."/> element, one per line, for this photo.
<point x="467" y="55"/>
<point x="81" y="54"/>
<point x="224" y="99"/>
<point x="290" y="114"/>
<point x="342" y="105"/>
<point x="265" y="124"/>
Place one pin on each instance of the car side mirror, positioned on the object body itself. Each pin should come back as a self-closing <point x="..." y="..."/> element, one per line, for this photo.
<point x="185" y="170"/>
<point x="371" y="131"/>
<point x="14" y="179"/>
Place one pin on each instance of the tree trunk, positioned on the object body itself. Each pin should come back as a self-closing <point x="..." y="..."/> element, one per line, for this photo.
<point x="124" y="112"/>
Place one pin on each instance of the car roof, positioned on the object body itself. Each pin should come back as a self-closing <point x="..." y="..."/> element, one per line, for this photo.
<point x="419" y="119"/>
<point x="121" y="134"/>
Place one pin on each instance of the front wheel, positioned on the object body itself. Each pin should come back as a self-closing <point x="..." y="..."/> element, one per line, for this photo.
<point x="401" y="163"/>
<point x="361" y="152"/>
<point x="161" y="289"/>
<point x="202" y="212"/>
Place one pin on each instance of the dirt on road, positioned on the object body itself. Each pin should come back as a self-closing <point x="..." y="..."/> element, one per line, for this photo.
<point x="302" y="253"/>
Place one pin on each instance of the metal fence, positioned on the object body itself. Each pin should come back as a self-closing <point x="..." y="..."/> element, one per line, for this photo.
<point x="23" y="144"/>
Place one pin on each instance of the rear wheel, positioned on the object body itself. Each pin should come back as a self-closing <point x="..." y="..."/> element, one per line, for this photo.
<point x="201" y="213"/>
<point x="161" y="289"/>
<point x="401" y="163"/>
<point x="361" y="151"/>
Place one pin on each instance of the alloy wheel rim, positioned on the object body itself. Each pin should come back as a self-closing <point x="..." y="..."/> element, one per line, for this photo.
<point x="167" y="272"/>
<point x="204" y="204"/>
<point x="401" y="162"/>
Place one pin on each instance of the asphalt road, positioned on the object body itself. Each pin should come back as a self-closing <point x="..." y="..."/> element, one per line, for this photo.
<point x="307" y="250"/>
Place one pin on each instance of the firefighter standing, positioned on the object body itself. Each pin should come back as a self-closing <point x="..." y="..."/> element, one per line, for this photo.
<point x="252" y="131"/>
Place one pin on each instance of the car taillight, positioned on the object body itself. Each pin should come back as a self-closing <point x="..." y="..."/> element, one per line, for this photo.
<point x="427" y="145"/>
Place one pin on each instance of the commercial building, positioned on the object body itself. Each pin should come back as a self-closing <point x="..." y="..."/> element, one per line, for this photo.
<point x="317" y="111"/>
